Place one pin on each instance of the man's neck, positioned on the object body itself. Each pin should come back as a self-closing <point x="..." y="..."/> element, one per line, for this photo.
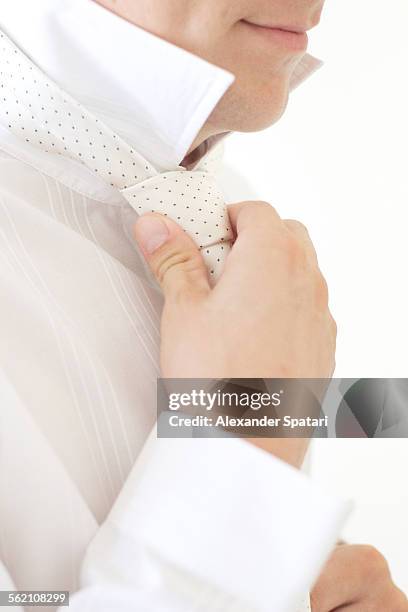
<point x="159" y="117"/>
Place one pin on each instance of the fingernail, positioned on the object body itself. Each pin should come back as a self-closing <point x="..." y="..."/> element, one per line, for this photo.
<point x="151" y="233"/>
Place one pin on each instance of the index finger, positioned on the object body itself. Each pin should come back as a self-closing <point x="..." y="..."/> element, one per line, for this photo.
<point x="252" y="214"/>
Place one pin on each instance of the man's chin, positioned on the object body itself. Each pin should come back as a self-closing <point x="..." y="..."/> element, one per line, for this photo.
<point x="240" y="111"/>
<point x="265" y="110"/>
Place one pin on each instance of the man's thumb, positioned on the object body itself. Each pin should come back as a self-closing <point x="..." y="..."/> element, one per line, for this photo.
<point x="172" y="255"/>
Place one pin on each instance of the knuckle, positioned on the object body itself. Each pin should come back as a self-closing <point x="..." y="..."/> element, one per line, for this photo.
<point x="261" y="210"/>
<point x="373" y="562"/>
<point x="321" y="285"/>
<point x="322" y="294"/>
<point x="257" y="205"/>
<point x="185" y="260"/>
<point x="297" y="225"/>
<point x="261" y="204"/>
<point x="292" y="248"/>
<point x="264" y="206"/>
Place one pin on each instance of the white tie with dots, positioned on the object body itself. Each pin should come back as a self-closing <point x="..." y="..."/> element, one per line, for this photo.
<point x="37" y="110"/>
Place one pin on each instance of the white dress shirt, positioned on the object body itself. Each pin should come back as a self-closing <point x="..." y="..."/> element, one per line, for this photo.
<point x="186" y="524"/>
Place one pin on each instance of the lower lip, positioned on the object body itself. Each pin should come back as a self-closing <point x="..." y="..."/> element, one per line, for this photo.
<point x="295" y="41"/>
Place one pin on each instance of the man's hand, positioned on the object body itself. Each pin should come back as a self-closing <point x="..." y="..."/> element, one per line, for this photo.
<point x="267" y="316"/>
<point x="357" y="579"/>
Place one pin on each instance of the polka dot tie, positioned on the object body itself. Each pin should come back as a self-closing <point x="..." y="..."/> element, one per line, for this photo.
<point x="37" y="110"/>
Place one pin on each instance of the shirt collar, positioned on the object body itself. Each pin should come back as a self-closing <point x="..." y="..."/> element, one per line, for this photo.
<point x="154" y="94"/>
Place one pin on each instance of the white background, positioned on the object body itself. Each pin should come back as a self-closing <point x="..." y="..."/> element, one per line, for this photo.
<point x="338" y="162"/>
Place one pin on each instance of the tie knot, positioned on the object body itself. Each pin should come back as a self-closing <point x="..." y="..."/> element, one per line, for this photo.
<point x="193" y="200"/>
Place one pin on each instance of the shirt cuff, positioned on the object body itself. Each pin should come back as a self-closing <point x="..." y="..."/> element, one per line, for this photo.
<point x="229" y="514"/>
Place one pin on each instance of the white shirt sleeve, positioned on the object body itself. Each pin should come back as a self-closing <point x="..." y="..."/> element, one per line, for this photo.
<point x="209" y="524"/>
